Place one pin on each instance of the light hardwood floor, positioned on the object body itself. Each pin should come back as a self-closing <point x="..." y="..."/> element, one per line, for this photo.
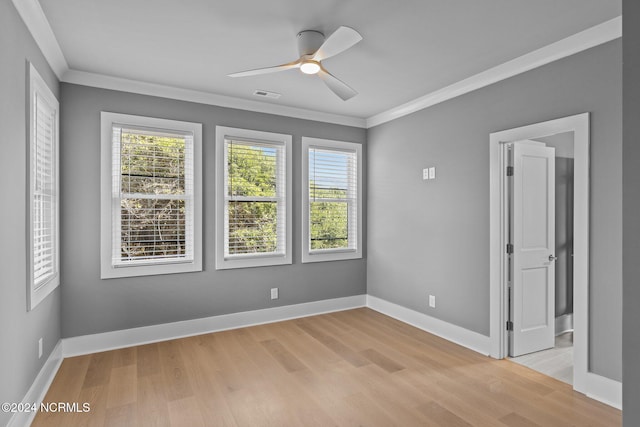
<point x="355" y="367"/>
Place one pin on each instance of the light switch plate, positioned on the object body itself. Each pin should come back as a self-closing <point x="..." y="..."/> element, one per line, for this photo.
<point x="432" y="172"/>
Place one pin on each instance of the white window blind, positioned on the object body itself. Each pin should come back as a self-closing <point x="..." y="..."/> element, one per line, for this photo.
<point x="45" y="198"/>
<point x="153" y="196"/>
<point x="333" y="203"/>
<point x="43" y="212"/>
<point x="331" y="200"/>
<point x="255" y="214"/>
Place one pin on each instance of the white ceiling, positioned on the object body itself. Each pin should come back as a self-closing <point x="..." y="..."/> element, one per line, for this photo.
<point x="410" y="47"/>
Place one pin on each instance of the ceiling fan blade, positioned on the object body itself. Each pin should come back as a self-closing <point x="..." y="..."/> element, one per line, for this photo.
<point x="256" y="72"/>
<point x="338" y="87"/>
<point x="341" y="39"/>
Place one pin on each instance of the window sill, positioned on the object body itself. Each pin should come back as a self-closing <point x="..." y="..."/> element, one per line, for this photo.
<point x="248" y="261"/>
<point x="325" y="255"/>
<point x="114" y="272"/>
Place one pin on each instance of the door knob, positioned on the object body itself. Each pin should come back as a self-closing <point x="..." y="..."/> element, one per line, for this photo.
<point x="552" y="258"/>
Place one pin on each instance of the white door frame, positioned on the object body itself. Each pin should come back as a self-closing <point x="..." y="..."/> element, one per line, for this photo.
<point x="579" y="125"/>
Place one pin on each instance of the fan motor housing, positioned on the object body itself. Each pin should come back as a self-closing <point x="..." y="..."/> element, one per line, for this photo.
<point x="309" y="42"/>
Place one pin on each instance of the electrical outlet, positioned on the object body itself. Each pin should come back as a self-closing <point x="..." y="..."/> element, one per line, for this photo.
<point x="39" y="348"/>
<point x="432" y="301"/>
<point x="274" y="293"/>
<point x="425" y="173"/>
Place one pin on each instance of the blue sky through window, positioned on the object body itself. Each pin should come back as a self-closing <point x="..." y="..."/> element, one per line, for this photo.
<point x="329" y="169"/>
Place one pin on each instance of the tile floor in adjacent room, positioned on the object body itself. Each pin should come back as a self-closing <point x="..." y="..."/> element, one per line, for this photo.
<point x="555" y="362"/>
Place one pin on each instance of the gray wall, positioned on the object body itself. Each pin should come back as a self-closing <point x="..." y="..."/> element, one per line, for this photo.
<point x="92" y="305"/>
<point x="432" y="237"/>
<point x="563" y="143"/>
<point x="631" y="213"/>
<point x="19" y="329"/>
<point x="564" y="235"/>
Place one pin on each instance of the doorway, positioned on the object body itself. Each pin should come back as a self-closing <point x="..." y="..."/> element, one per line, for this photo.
<point x="576" y="129"/>
<point x="553" y="356"/>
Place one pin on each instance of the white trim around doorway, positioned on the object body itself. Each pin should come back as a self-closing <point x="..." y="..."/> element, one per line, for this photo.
<point x="579" y="125"/>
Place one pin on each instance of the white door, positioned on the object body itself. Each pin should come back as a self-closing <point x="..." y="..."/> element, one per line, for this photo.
<point x="532" y="286"/>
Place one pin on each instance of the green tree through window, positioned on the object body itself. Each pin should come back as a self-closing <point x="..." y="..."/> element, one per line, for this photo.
<point x="252" y="190"/>
<point x="152" y="201"/>
<point x="331" y="178"/>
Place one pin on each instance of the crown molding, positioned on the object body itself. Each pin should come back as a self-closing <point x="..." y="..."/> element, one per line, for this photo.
<point x="36" y="21"/>
<point x="33" y="16"/>
<point x="135" y="86"/>
<point x="591" y="37"/>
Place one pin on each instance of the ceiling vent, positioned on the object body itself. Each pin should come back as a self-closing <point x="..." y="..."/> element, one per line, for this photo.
<point x="266" y="94"/>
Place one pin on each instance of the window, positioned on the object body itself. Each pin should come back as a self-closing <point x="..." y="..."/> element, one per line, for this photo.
<point x="332" y="200"/>
<point x="253" y="202"/>
<point x="44" y="246"/>
<point x="151" y="196"/>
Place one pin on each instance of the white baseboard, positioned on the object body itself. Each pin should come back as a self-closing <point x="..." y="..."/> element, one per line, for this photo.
<point x="598" y="387"/>
<point x="466" y="338"/>
<point x="94" y="343"/>
<point x="564" y="323"/>
<point x="605" y="390"/>
<point x="39" y="387"/>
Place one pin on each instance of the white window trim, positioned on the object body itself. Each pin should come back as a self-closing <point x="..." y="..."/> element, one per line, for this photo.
<point x="38" y="87"/>
<point x="258" y="260"/>
<point x="107" y="269"/>
<point x="328" y="254"/>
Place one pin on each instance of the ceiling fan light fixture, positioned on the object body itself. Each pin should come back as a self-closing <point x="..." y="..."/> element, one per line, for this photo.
<point x="313" y="49"/>
<point x="310" y="67"/>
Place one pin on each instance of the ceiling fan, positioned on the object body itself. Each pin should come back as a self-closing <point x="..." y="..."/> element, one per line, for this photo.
<point x="313" y="49"/>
